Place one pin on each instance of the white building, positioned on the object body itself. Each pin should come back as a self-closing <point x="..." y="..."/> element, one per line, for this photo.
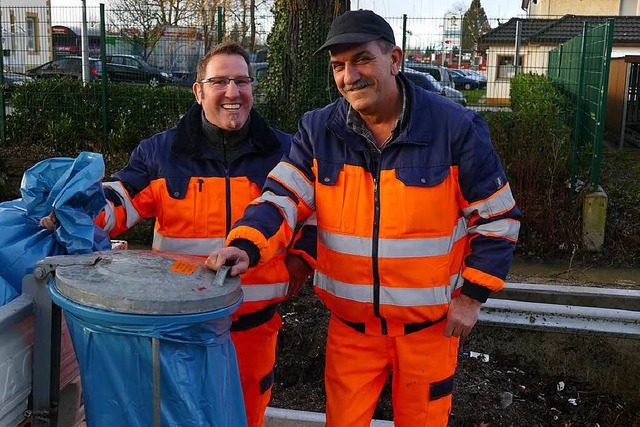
<point x="26" y="33"/>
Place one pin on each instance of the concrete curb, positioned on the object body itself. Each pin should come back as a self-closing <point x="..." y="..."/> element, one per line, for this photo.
<point x="277" y="417"/>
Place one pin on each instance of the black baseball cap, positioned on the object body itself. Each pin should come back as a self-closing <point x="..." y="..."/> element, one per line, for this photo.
<point x="357" y="26"/>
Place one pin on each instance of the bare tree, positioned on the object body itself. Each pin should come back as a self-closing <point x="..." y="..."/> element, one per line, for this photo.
<point x="142" y="22"/>
<point x="207" y="21"/>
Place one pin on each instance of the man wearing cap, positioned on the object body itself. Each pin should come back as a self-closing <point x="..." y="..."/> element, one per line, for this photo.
<point x="416" y="227"/>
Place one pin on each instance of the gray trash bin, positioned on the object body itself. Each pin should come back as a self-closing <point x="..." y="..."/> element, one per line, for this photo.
<point x="151" y="334"/>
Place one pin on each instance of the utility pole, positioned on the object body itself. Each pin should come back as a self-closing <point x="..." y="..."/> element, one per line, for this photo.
<point x="460" y="47"/>
<point x="85" y="44"/>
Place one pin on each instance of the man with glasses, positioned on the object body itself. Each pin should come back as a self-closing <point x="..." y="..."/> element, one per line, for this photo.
<point x="196" y="179"/>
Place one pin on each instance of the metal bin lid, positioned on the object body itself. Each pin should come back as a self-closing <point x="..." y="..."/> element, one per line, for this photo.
<point x="143" y="282"/>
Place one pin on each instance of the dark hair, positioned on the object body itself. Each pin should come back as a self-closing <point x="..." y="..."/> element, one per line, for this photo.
<point x="226" y="48"/>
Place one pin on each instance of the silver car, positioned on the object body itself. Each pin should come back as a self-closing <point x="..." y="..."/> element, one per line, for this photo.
<point x="427" y="81"/>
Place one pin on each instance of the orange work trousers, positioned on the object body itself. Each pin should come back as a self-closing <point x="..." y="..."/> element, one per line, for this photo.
<point x="256" y="352"/>
<point x="357" y="367"/>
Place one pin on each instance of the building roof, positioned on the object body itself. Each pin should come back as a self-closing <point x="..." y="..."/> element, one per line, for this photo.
<point x="626" y="29"/>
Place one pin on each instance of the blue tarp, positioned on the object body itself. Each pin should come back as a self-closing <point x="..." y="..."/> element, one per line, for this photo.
<point x="72" y="189"/>
<point x="199" y="383"/>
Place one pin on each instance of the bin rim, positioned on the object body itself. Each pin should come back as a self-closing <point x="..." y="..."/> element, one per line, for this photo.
<point x="90" y="313"/>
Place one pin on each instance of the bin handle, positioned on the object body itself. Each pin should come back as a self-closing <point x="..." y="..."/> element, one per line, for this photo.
<point x="221" y="275"/>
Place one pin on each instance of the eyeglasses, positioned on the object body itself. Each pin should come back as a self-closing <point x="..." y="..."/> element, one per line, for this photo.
<point x="221" y="83"/>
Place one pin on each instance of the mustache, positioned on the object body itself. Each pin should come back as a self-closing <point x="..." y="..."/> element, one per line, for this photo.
<point x="363" y="82"/>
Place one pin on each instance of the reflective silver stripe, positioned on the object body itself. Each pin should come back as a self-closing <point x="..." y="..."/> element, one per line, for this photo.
<point x="285" y="204"/>
<point x="312" y="220"/>
<point x="109" y="217"/>
<point x="456" y="282"/>
<point x="264" y="292"/>
<point x="292" y="178"/>
<point x="504" y="227"/>
<point x="350" y="245"/>
<point x="411" y="297"/>
<point x="132" y="214"/>
<point x="402" y="297"/>
<point x="191" y="246"/>
<point x="360" y="293"/>
<point x="461" y="229"/>
<point x="393" y="248"/>
<point x="497" y="204"/>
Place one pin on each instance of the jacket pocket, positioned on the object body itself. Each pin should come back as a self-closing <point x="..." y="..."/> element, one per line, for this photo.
<point x="337" y="193"/>
<point x="177" y="187"/>
<point x="421" y="176"/>
<point x="428" y="200"/>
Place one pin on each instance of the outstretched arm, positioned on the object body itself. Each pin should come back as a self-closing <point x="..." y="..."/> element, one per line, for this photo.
<point x="232" y="256"/>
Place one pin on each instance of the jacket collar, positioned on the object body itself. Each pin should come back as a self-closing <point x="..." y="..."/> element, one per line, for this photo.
<point x="417" y="124"/>
<point x="189" y="138"/>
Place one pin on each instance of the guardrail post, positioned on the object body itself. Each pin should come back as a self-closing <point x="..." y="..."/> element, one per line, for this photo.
<point x="46" y="349"/>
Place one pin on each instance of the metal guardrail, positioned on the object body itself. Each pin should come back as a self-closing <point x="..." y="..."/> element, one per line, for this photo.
<point x="562" y="308"/>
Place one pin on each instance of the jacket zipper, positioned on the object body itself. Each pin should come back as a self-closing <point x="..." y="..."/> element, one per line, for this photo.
<point x="227" y="186"/>
<point x="376" y="171"/>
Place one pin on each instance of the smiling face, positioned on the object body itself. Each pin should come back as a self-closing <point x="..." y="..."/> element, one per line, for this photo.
<point x="228" y="108"/>
<point x="365" y="75"/>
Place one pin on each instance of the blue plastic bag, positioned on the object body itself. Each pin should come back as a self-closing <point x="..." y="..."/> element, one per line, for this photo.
<point x="200" y="382"/>
<point x="72" y="189"/>
<point x="7" y="293"/>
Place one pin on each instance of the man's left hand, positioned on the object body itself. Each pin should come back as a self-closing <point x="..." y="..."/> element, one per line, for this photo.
<point x="299" y="271"/>
<point x="463" y="314"/>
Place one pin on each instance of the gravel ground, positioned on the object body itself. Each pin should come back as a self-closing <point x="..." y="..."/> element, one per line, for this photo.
<point x="503" y="391"/>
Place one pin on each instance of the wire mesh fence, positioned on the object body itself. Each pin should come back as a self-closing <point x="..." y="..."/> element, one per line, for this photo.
<point x="471" y="65"/>
<point x="480" y="71"/>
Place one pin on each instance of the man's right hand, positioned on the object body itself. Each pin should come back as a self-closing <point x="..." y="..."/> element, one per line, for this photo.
<point x="232" y="256"/>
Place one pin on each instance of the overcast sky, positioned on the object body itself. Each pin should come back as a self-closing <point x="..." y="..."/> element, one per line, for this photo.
<point x="502" y="9"/>
<point x="424" y="17"/>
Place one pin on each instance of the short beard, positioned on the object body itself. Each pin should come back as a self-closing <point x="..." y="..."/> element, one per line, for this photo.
<point x="234" y="121"/>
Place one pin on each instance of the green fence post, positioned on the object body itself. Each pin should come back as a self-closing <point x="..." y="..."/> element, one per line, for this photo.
<point x="104" y="81"/>
<point x="604" y="85"/>
<point x="404" y="40"/>
<point x="219" y="24"/>
<point x="576" y="131"/>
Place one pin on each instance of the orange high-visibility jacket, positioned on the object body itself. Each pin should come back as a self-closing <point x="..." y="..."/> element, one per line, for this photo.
<point x="399" y="231"/>
<point x="196" y="197"/>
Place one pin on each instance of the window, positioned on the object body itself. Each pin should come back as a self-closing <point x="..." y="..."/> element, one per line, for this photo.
<point x="506" y="66"/>
<point x="33" y="45"/>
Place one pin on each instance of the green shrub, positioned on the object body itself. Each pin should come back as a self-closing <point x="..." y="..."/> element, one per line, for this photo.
<point x="67" y="115"/>
<point x="534" y="142"/>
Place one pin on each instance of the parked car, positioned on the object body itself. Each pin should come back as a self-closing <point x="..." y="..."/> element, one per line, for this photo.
<point x="466" y="81"/>
<point x="183" y="79"/>
<point x="441" y="74"/>
<point x="259" y="72"/>
<point x="69" y="66"/>
<point x="12" y="80"/>
<point x="428" y="82"/>
<point x="424" y="80"/>
<point x="474" y="74"/>
<point x="134" y="69"/>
